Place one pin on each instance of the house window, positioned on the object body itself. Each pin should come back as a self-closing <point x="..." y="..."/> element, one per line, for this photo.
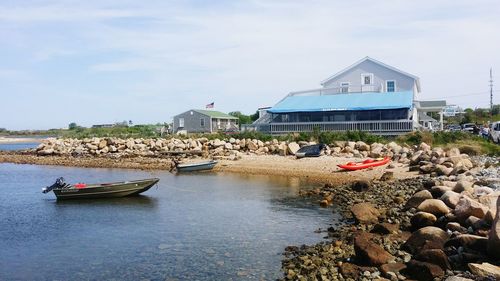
<point x="390" y="86"/>
<point x="367" y="79"/>
<point x="202" y="122"/>
<point x="181" y="122"/>
<point x="344" y="87"/>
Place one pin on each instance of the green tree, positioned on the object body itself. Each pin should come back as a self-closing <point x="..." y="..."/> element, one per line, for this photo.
<point x="72" y="126"/>
<point x="254" y="116"/>
<point x="244" y="119"/>
<point x="495" y="110"/>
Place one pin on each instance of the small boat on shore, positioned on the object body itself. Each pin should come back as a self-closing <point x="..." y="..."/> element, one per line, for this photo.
<point x="199" y="166"/>
<point x="64" y="190"/>
<point x="368" y="163"/>
<point x="310" y="151"/>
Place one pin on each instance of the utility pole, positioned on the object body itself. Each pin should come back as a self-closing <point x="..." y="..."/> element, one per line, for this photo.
<point x="491" y="91"/>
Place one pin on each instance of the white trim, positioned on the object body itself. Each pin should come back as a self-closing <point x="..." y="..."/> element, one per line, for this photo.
<point x="363" y="75"/>
<point x="417" y="80"/>
<point x="386" y="87"/>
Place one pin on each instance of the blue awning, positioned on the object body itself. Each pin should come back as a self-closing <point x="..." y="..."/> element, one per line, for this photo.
<point x="344" y="102"/>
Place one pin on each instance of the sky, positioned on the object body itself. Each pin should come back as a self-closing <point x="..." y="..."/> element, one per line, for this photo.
<point x="105" y="61"/>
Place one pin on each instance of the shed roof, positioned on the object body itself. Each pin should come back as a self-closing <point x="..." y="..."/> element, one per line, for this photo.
<point x="344" y="102"/>
<point x="215" y="114"/>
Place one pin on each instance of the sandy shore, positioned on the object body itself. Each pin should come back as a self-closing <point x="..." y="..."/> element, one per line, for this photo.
<point x="5" y="140"/>
<point x="322" y="169"/>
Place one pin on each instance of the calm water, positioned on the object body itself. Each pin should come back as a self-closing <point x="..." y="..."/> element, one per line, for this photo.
<point x="18" y="146"/>
<point x="191" y="227"/>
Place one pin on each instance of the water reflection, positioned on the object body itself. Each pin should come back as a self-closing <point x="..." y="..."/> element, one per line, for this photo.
<point x="202" y="226"/>
<point x="141" y="201"/>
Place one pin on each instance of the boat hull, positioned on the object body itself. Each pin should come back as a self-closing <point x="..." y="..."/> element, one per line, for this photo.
<point x="111" y="190"/>
<point x="365" y="164"/>
<point x="196" y="166"/>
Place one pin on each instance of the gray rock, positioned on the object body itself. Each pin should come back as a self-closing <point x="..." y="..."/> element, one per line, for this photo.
<point x="450" y="198"/>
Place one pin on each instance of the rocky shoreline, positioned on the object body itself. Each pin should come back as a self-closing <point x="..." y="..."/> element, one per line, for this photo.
<point x="424" y="228"/>
<point x="441" y="225"/>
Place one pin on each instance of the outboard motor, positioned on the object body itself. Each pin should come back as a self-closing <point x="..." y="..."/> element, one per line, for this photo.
<point x="58" y="184"/>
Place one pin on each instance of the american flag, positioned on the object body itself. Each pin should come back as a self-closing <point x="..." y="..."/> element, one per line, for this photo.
<point x="210" y="105"/>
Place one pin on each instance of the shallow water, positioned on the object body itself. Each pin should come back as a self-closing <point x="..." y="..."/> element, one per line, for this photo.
<point x="191" y="227"/>
<point x="18" y="146"/>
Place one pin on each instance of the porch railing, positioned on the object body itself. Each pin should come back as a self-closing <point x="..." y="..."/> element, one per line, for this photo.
<point x="394" y="127"/>
<point x="341" y="90"/>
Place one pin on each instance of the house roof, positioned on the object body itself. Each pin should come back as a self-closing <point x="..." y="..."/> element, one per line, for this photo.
<point x="417" y="80"/>
<point x="215" y="114"/>
<point x="432" y="103"/>
<point x="343" y="102"/>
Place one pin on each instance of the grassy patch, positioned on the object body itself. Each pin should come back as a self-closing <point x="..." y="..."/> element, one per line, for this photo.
<point x="467" y="143"/>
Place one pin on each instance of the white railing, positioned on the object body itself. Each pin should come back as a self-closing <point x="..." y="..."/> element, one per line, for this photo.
<point x="340" y="90"/>
<point x="394" y="127"/>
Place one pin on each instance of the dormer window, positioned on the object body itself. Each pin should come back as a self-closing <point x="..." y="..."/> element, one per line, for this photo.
<point x="344" y="87"/>
<point x="367" y="79"/>
<point x="390" y="86"/>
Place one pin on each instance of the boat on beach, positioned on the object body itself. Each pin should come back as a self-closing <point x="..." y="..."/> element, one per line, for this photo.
<point x="368" y="163"/>
<point x="310" y="151"/>
<point x="199" y="166"/>
<point x="64" y="190"/>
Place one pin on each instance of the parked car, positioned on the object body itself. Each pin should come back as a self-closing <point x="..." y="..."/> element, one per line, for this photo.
<point x="495" y="132"/>
<point x="453" y="128"/>
<point x="470" y="127"/>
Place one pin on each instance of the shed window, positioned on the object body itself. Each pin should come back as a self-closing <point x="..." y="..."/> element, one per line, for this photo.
<point x="181" y="122"/>
<point x="202" y="122"/>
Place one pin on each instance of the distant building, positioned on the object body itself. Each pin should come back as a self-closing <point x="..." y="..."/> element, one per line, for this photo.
<point x="204" y="121"/>
<point x="425" y="107"/>
<point x="104" y="126"/>
<point x="366" y="96"/>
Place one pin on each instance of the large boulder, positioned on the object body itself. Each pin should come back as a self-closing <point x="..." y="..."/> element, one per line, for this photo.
<point x="463" y="186"/>
<point x="418" y="198"/>
<point x="469" y="241"/>
<point x="369" y="253"/>
<point x="429" y="237"/>
<point x="293" y="147"/>
<point x="453" y="152"/>
<point x="434" y="256"/>
<point x="423" y="271"/>
<point x="494" y="235"/>
<point x="434" y="206"/>
<point x="422" y="219"/>
<point x="467" y="207"/>
<point x="365" y="213"/>
<point x="485" y="270"/>
<point x="450" y="198"/>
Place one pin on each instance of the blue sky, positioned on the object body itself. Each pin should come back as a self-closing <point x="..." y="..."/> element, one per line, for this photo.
<point x="93" y="62"/>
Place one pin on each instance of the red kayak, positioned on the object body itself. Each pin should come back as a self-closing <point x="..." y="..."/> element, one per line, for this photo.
<point x="352" y="166"/>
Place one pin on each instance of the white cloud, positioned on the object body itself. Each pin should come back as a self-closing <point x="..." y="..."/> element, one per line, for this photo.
<point x="249" y="54"/>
